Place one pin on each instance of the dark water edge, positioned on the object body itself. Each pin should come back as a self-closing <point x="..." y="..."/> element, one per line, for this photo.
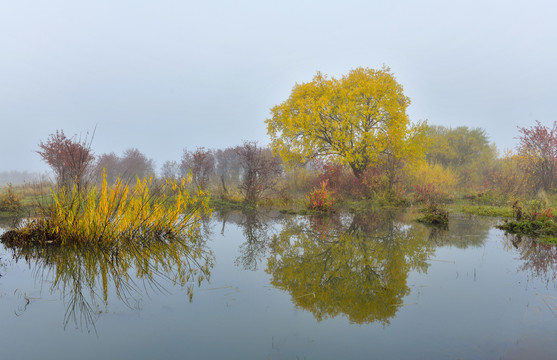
<point x="390" y="288"/>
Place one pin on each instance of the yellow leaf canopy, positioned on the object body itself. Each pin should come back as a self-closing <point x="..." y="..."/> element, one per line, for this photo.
<point x="359" y="120"/>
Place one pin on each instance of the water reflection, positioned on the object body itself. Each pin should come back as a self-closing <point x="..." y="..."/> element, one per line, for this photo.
<point x="257" y="228"/>
<point x="86" y="276"/>
<point x="539" y="260"/>
<point x="462" y="232"/>
<point x="355" y="265"/>
<point x="10" y="221"/>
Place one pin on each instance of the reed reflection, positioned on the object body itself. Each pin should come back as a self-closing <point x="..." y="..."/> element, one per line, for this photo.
<point x="86" y="276"/>
<point x="352" y="265"/>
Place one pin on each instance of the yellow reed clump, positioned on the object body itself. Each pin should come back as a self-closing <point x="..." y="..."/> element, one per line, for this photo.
<point x="119" y="213"/>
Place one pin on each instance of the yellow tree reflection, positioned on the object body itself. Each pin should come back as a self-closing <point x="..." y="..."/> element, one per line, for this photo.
<point x="356" y="266"/>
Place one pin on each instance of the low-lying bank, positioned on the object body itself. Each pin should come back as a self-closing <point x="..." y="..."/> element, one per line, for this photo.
<point x="483" y="210"/>
<point x="91" y="216"/>
<point x="543" y="229"/>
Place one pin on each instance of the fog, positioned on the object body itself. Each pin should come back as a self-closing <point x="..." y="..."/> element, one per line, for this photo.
<point x="162" y="76"/>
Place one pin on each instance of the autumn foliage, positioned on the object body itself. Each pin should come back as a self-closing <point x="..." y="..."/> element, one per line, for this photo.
<point x="320" y="199"/>
<point x="10" y="201"/>
<point x="69" y="158"/>
<point x="444" y="179"/>
<point x="358" y="120"/>
<point x="111" y="215"/>
<point x="538" y="146"/>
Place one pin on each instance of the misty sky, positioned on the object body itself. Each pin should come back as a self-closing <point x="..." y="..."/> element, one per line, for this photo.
<point x="164" y="75"/>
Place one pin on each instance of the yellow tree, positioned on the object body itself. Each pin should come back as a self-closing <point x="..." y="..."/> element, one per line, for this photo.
<point x="359" y="120"/>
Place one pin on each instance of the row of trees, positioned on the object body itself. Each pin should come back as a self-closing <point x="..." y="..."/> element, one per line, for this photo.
<point x="251" y="168"/>
<point x="456" y="158"/>
<point x="133" y="163"/>
<point x="73" y="161"/>
<point x="355" y="133"/>
<point x="359" y="121"/>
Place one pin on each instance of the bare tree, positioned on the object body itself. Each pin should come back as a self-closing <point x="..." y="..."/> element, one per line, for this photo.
<point x="201" y="163"/>
<point x="110" y="164"/>
<point x="260" y="171"/>
<point x="228" y="167"/>
<point x="135" y="164"/>
<point x="71" y="159"/>
<point x="170" y="170"/>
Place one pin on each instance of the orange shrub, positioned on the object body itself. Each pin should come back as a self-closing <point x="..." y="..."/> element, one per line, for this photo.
<point x="320" y="199"/>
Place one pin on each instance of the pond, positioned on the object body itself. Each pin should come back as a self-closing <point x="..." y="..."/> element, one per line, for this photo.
<point x="271" y="286"/>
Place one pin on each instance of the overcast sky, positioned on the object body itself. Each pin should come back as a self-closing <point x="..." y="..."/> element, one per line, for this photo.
<point x="164" y="75"/>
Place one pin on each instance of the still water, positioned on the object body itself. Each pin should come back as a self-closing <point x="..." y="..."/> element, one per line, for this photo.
<point x="268" y="286"/>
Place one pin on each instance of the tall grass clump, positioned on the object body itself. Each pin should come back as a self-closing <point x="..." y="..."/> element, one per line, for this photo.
<point x="535" y="221"/>
<point x="116" y="214"/>
<point x="434" y="211"/>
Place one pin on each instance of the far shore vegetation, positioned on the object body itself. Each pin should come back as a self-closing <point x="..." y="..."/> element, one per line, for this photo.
<point x="335" y="145"/>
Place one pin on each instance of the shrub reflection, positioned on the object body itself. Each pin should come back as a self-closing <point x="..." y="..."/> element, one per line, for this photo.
<point x="539" y="259"/>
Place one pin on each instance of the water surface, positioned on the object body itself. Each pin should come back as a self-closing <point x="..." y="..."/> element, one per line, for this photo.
<point x="372" y="285"/>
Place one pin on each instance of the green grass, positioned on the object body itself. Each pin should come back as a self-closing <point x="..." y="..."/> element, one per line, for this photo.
<point x="483" y="210"/>
<point x="544" y="230"/>
<point x="28" y="197"/>
<point x="223" y="204"/>
<point x="434" y="214"/>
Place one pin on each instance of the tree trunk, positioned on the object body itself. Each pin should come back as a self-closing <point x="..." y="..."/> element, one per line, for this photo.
<point x="224" y="189"/>
<point x="357" y="170"/>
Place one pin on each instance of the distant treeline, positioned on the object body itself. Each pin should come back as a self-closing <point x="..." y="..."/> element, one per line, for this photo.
<point x="455" y="162"/>
<point x="18" y="177"/>
<point x="248" y="168"/>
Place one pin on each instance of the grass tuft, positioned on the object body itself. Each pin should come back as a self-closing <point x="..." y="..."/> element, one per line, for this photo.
<point x="111" y="215"/>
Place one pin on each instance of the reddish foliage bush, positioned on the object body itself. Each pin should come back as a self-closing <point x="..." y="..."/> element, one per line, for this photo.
<point x="538" y="144"/>
<point x="425" y="193"/>
<point x="333" y="174"/>
<point x="69" y="158"/>
<point x="320" y="199"/>
<point x="342" y="181"/>
<point x="541" y="215"/>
